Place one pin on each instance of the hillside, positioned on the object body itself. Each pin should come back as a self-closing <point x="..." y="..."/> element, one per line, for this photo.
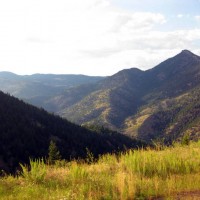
<point x="38" y="89"/>
<point x="144" y="104"/>
<point x="114" y="99"/>
<point x="171" y="106"/>
<point x="26" y="131"/>
<point x="168" y="118"/>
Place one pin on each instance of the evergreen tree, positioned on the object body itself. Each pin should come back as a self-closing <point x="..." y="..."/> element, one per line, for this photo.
<point x="185" y="140"/>
<point x="54" y="153"/>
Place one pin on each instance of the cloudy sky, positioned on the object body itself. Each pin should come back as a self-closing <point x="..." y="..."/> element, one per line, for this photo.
<point x="94" y="37"/>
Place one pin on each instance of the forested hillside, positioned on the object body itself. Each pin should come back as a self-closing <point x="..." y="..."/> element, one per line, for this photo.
<point x="26" y="131"/>
<point x="162" y="102"/>
<point x="144" y="104"/>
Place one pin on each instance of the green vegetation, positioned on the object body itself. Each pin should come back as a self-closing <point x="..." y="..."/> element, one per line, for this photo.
<point x="175" y="118"/>
<point x="54" y="153"/>
<point x="26" y="132"/>
<point x="163" y="102"/>
<point x="37" y="171"/>
<point x="160" y="105"/>
<point x="136" y="174"/>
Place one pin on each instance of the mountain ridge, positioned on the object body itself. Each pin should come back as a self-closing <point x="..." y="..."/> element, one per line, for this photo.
<point x="115" y="101"/>
<point x="169" y="79"/>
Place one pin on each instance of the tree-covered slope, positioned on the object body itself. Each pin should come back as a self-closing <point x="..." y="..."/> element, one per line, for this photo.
<point x="113" y="99"/>
<point x="169" y="118"/>
<point x="26" y="131"/>
<point x="145" y="103"/>
<point x="171" y="107"/>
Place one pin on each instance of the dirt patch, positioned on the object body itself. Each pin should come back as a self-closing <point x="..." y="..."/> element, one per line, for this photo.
<point x="193" y="195"/>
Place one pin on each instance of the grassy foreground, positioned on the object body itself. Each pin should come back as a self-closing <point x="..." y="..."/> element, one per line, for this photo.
<point x="138" y="174"/>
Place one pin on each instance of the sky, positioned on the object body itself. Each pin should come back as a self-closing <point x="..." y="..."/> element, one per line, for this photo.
<point x="94" y="37"/>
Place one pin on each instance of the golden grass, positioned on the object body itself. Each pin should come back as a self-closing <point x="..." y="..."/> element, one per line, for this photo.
<point x="137" y="174"/>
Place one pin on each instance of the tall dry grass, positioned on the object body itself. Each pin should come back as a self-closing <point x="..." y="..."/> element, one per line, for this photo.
<point x="136" y="174"/>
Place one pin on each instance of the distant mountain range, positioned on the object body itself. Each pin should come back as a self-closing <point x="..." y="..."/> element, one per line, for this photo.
<point x="163" y="102"/>
<point x="37" y="89"/>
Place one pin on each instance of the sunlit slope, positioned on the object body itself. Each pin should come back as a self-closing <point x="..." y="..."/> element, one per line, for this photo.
<point x="146" y="104"/>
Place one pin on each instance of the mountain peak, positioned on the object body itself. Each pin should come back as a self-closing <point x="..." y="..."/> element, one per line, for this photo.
<point x="187" y="56"/>
<point x="186" y="52"/>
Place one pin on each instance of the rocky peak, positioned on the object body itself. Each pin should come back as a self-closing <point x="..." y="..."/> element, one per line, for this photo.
<point x="188" y="54"/>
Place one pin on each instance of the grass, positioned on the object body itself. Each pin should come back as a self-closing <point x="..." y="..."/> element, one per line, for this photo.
<point x="136" y="174"/>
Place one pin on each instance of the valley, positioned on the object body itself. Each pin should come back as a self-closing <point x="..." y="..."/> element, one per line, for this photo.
<point x="132" y="135"/>
<point x="146" y="105"/>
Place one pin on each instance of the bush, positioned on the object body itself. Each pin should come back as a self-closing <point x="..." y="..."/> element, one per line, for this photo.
<point x="35" y="173"/>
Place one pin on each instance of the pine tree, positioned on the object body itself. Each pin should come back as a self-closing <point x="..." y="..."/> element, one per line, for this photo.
<point x="185" y="140"/>
<point x="54" y="153"/>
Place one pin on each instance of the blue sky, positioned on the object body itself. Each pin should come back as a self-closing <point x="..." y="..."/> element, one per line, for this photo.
<point x="170" y="8"/>
<point x="94" y="37"/>
<point x="167" y="7"/>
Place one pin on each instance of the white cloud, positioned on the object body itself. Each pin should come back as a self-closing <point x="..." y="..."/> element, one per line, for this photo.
<point x="137" y="21"/>
<point x="180" y="15"/>
<point x="90" y="37"/>
<point x="197" y="17"/>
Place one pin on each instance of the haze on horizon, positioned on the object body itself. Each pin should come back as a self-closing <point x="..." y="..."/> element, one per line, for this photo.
<point x="94" y="37"/>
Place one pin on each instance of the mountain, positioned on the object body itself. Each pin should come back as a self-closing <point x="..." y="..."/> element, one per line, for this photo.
<point x="146" y="104"/>
<point x="171" y="103"/>
<point x="169" y="118"/>
<point x="26" y="131"/>
<point x="37" y="89"/>
<point x="113" y="99"/>
<point x="143" y="104"/>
